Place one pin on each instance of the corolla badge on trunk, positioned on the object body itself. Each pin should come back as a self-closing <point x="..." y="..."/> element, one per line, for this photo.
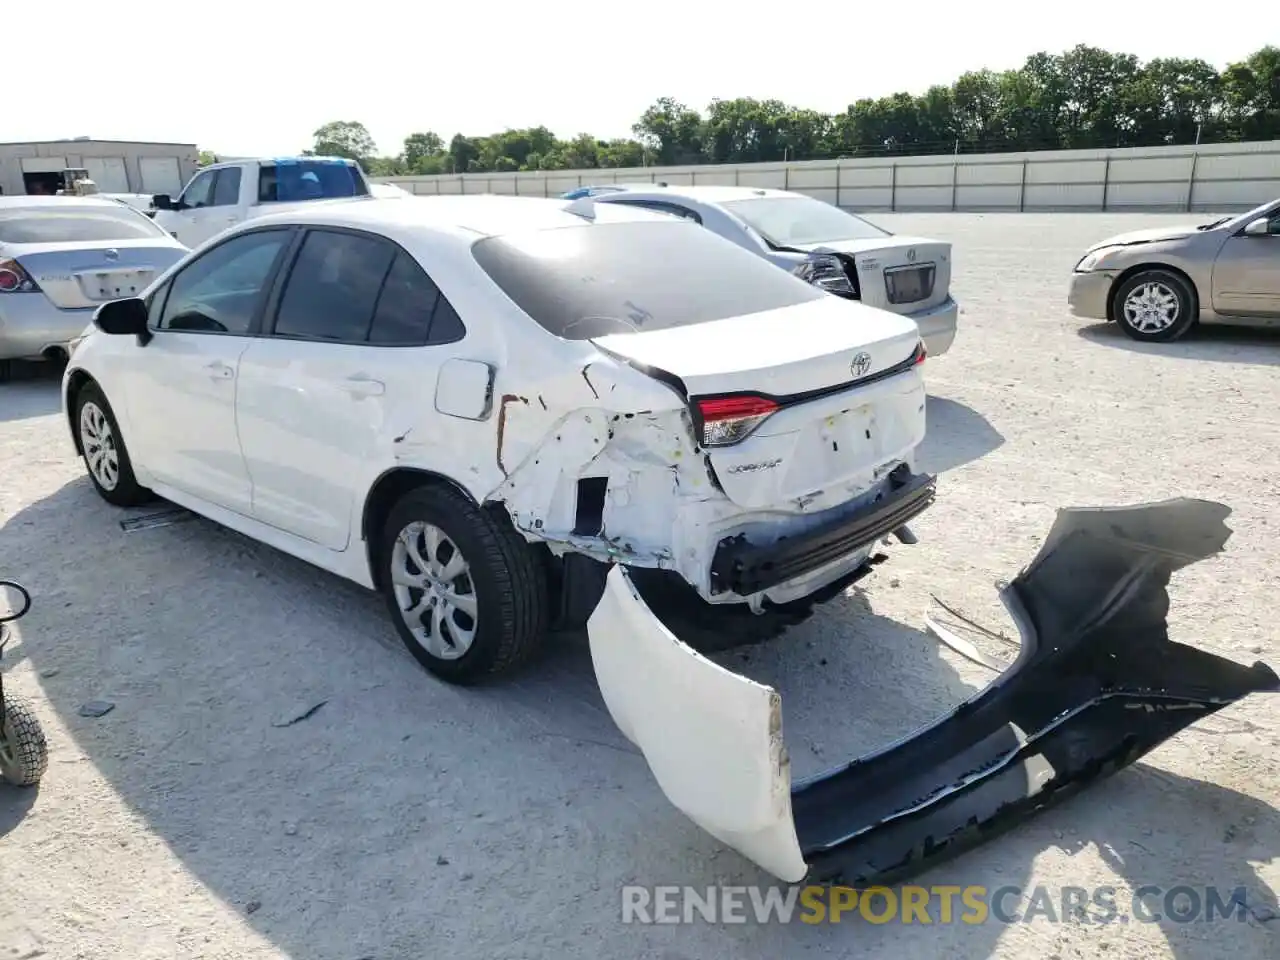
<point x="861" y="364"/>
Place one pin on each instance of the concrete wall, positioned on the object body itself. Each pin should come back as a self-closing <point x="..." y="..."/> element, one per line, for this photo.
<point x="75" y="152"/>
<point x="1220" y="177"/>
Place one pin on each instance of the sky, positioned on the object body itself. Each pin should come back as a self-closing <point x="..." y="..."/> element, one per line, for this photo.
<point x="257" y="78"/>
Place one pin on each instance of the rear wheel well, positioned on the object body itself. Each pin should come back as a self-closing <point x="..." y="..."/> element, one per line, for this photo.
<point x="1180" y="274"/>
<point x="75" y="383"/>
<point x="386" y="491"/>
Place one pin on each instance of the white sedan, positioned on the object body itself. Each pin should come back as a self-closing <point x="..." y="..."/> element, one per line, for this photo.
<point x="476" y="404"/>
<point x="830" y="247"/>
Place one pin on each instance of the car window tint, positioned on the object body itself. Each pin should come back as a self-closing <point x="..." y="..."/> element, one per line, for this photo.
<point x="199" y="190"/>
<point x="155" y="304"/>
<point x="267" y="184"/>
<point x="226" y="189"/>
<point x="634" y="276"/>
<point x="288" y="181"/>
<point x="219" y="292"/>
<point x="73" y="222"/>
<point x="405" y="306"/>
<point x="662" y="207"/>
<point x="333" y="287"/>
<point x="446" y="325"/>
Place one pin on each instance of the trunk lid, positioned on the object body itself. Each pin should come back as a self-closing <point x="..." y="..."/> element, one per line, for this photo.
<point x="847" y="398"/>
<point x="902" y="274"/>
<point x="77" y="276"/>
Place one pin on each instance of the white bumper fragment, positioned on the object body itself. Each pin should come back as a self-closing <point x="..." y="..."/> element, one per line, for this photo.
<point x="712" y="738"/>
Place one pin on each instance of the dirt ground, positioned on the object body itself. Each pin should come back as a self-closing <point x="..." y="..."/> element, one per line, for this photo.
<point x="407" y="819"/>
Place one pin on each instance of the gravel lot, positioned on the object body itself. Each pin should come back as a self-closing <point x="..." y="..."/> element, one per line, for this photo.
<point x="406" y="819"/>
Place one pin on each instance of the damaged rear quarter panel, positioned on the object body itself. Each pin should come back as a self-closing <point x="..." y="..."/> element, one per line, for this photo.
<point x="602" y="420"/>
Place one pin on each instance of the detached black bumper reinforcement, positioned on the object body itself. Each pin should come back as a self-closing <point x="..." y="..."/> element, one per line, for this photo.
<point x="745" y="568"/>
<point x="1097" y="685"/>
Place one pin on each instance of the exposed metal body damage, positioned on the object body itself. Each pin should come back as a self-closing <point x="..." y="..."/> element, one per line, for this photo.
<point x="1097" y="685"/>
<point x="620" y="477"/>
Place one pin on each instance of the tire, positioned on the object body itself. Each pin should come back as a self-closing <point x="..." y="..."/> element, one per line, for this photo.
<point x="1155" y="306"/>
<point x="24" y="754"/>
<point x="96" y="427"/>
<point x="505" y="580"/>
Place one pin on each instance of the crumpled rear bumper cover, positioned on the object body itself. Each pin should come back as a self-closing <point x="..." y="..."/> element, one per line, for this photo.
<point x="746" y="568"/>
<point x="1097" y="685"/>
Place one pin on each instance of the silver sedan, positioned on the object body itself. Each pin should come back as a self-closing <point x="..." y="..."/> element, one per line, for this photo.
<point x="60" y="257"/>
<point x="1157" y="284"/>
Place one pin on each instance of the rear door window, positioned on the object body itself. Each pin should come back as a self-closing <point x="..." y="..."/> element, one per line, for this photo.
<point x="354" y="288"/>
<point x="333" y="287"/>
<point x="226" y="189"/>
<point x="633" y="277"/>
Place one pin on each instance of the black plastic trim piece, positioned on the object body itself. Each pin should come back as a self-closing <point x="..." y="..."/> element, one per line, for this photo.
<point x="1098" y="685"/>
<point x="746" y="568"/>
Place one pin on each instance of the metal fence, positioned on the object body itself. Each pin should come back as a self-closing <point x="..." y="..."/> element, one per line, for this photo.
<point x="1194" y="177"/>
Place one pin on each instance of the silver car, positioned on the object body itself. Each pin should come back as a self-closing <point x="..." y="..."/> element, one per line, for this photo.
<point x="1157" y="284"/>
<point x="823" y="244"/>
<point x="60" y="257"/>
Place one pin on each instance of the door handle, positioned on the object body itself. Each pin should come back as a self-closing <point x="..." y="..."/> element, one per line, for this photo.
<point x="219" y="370"/>
<point x="362" y="386"/>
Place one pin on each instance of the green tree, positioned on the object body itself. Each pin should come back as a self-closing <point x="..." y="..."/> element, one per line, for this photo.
<point x="671" y="132"/>
<point x="420" y="148"/>
<point x="344" y="138"/>
<point x="1082" y="97"/>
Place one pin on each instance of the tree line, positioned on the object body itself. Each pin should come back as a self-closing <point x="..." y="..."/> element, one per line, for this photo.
<point x="1085" y="97"/>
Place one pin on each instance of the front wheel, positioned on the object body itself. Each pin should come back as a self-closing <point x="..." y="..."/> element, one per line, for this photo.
<point x="1155" y="306"/>
<point x="467" y="593"/>
<point x="24" y="754"/>
<point x="105" y="456"/>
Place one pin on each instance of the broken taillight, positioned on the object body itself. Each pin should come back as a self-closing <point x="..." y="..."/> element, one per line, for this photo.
<point x="728" y="420"/>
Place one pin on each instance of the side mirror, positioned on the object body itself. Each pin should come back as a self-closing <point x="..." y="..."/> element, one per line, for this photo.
<point x="162" y="201"/>
<point x="124" y="318"/>
<point x="1258" y="228"/>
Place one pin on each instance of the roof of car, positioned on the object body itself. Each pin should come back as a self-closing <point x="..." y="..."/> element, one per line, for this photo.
<point x="481" y="215"/>
<point x="35" y="201"/>
<point x="713" y="193"/>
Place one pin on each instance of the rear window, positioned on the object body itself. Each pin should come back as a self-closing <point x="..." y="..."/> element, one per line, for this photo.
<point x="802" y="221"/>
<point x="289" y="181"/>
<point x="634" y="277"/>
<point x="53" y="225"/>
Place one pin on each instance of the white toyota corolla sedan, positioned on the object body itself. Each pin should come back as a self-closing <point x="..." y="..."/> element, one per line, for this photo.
<point x="480" y="405"/>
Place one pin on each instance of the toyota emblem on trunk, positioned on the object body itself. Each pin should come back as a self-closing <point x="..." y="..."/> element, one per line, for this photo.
<point x="111" y="254"/>
<point x="911" y="255"/>
<point x="861" y="364"/>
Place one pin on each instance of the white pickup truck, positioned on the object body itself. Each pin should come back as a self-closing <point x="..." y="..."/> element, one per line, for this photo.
<point x="227" y="193"/>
